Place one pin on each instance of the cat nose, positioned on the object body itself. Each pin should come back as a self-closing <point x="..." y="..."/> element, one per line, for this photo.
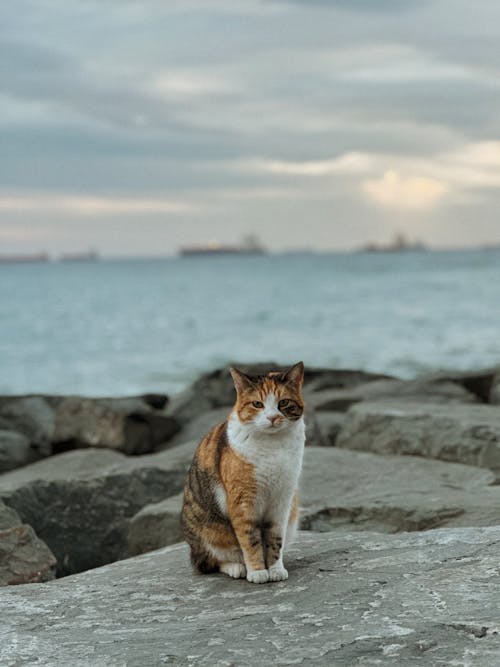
<point x="274" y="418"/>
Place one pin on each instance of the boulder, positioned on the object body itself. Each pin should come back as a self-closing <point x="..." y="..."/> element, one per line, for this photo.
<point x="33" y="418"/>
<point x="327" y="427"/>
<point x="215" y="389"/>
<point x="155" y="526"/>
<point x="23" y="557"/>
<point x="346" y="490"/>
<point x="129" y="425"/>
<point x="80" y="502"/>
<point x="197" y="427"/>
<point x="421" y="599"/>
<point x="494" y="395"/>
<point x="340" y="400"/>
<point x="452" y="432"/>
<point x="15" y="450"/>
<point x="478" y="382"/>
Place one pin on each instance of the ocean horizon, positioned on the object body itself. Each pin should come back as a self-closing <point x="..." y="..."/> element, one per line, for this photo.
<point x="127" y="326"/>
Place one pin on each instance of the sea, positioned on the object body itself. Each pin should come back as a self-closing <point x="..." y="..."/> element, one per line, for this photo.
<point x="125" y="327"/>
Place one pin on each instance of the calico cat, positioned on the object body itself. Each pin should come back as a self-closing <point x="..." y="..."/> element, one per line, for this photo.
<point x="240" y="497"/>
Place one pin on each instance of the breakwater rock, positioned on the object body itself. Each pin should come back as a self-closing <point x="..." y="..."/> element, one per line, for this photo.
<point x="426" y="598"/>
<point x="93" y="481"/>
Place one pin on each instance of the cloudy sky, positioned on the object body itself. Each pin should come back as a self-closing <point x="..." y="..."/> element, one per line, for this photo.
<point x="136" y="127"/>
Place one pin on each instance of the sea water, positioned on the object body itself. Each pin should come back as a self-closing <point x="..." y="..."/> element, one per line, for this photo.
<point x="130" y="326"/>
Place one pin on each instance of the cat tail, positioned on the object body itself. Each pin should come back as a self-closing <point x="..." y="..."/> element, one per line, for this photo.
<point x="204" y="563"/>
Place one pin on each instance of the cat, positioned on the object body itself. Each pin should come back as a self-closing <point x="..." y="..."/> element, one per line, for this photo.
<point x="240" y="505"/>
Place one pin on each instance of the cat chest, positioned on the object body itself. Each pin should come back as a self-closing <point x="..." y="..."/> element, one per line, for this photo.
<point x="273" y="481"/>
<point x="276" y="476"/>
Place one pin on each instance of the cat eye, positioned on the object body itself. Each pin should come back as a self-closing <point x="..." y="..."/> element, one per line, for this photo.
<point x="283" y="403"/>
<point x="257" y="404"/>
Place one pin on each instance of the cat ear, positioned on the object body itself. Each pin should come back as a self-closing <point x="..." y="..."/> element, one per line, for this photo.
<point x="241" y="380"/>
<point x="295" y="374"/>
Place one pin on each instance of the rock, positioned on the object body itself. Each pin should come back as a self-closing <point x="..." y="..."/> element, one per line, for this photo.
<point x="494" y="395"/>
<point x="421" y="599"/>
<point x="80" y="502"/>
<point x="15" y="450"/>
<point x="23" y="557"/>
<point x="33" y="418"/>
<point x="8" y="517"/>
<point x="318" y="379"/>
<point x="477" y="382"/>
<point x="129" y="425"/>
<point x="347" y="490"/>
<point x="195" y="429"/>
<point x="155" y="526"/>
<point x="215" y="389"/>
<point x="329" y="425"/>
<point x="322" y="428"/>
<point x="463" y="433"/>
<point x="340" y="400"/>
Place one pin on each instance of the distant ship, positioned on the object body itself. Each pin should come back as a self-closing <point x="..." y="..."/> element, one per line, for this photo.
<point x="399" y="244"/>
<point x="250" y="246"/>
<point x="89" y="256"/>
<point x="25" y="259"/>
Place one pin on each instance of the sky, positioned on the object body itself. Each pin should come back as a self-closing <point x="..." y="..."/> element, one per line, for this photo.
<point x="138" y="127"/>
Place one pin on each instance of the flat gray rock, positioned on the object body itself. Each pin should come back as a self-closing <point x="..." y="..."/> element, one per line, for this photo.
<point x="425" y="599"/>
<point x="80" y="502"/>
<point x="463" y="433"/>
<point x="428" y="391"/>
<point x="347" y="490"/>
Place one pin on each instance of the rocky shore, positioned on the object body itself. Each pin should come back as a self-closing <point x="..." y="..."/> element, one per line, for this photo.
<point x="86" y="482"/>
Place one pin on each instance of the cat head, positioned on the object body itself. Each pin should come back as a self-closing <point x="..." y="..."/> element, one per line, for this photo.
<point x="271" y="402"/>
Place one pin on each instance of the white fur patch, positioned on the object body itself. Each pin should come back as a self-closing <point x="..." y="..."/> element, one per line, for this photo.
<point x="224" y="555"/>
<point x="234" y="570"/>
<point x="276" y="455"/>
<point x="258" y="576"/>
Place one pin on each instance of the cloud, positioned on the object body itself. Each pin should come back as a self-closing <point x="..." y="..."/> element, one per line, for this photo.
<point x="349" y="163"/>
<point x="371" y="6"/>
<point x="189" y="84"/>
<point x="401" y="181"/>
<point x="236" y="111"/>
<point x="395" y="191"/>
<point x="90" y="205"/>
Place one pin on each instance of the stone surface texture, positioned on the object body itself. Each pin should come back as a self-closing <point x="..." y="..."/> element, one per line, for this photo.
<point x="463" y="433"/>
<point x="428" y="599"/>
<point x="79" y="503"/>
<point x="23" y="557"/>
<point x="349" y="491"/>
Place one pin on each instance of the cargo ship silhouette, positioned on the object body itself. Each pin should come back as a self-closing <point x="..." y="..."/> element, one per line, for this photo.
<point x="249" y="246"/>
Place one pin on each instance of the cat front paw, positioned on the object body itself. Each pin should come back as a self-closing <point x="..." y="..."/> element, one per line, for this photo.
<point x="278" y="573"/>
<point x="234" y="570"/>
<point x="258" y="576"/>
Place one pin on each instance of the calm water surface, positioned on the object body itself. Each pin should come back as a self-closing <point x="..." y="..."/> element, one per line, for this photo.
<point x="122" y="327"/>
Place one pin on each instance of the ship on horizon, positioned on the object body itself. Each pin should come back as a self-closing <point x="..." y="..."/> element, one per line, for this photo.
<point x="249" y="246"/>
<point x="33" y="258"/>
<point x="400" y="243"/>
